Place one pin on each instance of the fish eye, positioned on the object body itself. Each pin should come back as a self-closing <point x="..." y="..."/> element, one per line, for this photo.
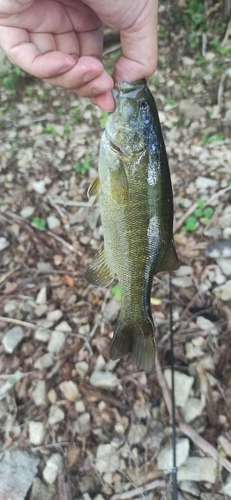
<point x="144" y="106"/>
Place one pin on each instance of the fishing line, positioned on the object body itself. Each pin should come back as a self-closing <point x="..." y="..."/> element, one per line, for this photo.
<point x="174" y="468"/>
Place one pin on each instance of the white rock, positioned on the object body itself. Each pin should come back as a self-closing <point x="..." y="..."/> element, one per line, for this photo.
<point x="56" y="415"/>
<point x="82" y="368"/>
<point x="223" y="292"/>
<point x="183" y="385"/>
<point x="136" y="434"/>
<point x="165" y="458"/>
<point x="226" y="490"/>
<point x="84" y="329"/>
<point x="183" y="281"/>
<point x="190" y="487"/>
<point x="39" y="186"/>
<point x="80" y="407"/>
<point x="3" y="243"/>
<point x="225" y="444"/>
<point x="41" y="310"/>
<point x="12" y="338"/>
<point x="36" y="432"/>
<point x="54" y="315"/>
<point x="184" y="270"/>
<point x="27" y="212"/>
<point x="56" y="341"/>
<point x="39" y="394"/>
<point x="69" y="389"/>
<point x="203" y="183"/>
<point x="84" y="422"/>
<point x="193" y="351"/>
<point x="42" y="296"/>
<point x="53" y="222"/>
<point x="193" y="409"/>
<point x="100" y="363"/>
<point x="225" y="266"/>
<point x="64" y="327"/>
<point x="42" y="334"/>
<point x="142" y="410"/>
<point x="53" y="467"/>
<point x="107" y="459"/>
<point x="198" y="469"/>
<point x="206" y="324"/>
<point x="104" y="380"/>
<point x="11" y="306"/>
<point x="17" y="471"/>
<point x="44" y="361"/>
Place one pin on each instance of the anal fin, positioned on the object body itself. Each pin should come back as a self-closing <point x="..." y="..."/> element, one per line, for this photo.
<point x="98" y="272"/>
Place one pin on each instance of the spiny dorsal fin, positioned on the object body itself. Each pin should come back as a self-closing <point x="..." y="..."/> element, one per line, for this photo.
<point x="94" y="187"/>
<point x="98" y="272"/>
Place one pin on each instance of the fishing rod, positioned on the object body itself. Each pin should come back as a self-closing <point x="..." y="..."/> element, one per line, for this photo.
<point x="174" y="467"/>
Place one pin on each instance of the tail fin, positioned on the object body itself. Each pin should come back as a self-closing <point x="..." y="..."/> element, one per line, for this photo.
<point x="137" y="340"/>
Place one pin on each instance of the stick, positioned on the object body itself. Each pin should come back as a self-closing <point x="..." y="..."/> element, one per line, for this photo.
<point x="18" y="322"/>
<point x="139" y="491"/>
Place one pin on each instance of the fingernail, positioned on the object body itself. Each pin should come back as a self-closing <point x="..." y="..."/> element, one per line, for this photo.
<point x="64" y="69"/>
<point x="89" y="76"/>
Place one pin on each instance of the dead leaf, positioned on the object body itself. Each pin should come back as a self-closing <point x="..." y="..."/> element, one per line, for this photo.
<point x="69" y="281"/>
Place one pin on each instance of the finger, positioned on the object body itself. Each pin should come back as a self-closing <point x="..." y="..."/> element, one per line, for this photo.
<point x="88" y="78"/>
<point x="66" y="43"/>
<point x="104" y="101"/>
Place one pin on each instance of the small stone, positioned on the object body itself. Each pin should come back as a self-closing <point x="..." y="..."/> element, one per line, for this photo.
<point x="53" y="222"/>
<point x="183" y="282"/>
<point x="198" y="469"/>
<point x="111" y="310"/>
<point x="223" y="292"/>
<point x="84" y="329"/>
<point x="193" y="351"/>
<point x="53" y="467"/>
<point x="42" y="334"/>
<point x="69" y="389"/>
<point x="80" y="407"/>
<point x="226" y="490"/>
<point x="165" y="458"/>
<point x="54" y="315"/>
<point x="82" y="368"/>
<point x="56" y="415"/>
<point x="27" y="212"/>
<point x="41" y="310"/>
<point x="187" y="61"/>
<point x="193" y="409"/>
<point x="190" y="487"/>
<point x="12" y="338"/>
<point x="42" y="296"/>
<point x="204" y="183"/>
<point x="3" y="243"/>
<point x="57" y="340"/>
<point x="39" y="394"/>
<point x="100" y="363"/>
<point x="39" y="186"/>
<point x="64" y="327"/>
<point x="84" y="422"/>
<point x="184" y="271"/>
<point x="52" y="396"/>
<point x="206" y="324"/>
<point x="84" y="240"/>
<point x="11" y="306"/>
<point x="141" y="410"/>
<point x="107" y="459"/>
<point x="219" y="248"/>
<point x="225" y="444"/>
<point x="183" y="385"/>
<point x="40" y="491"/>
<point x="17" y="471"/>
<point x="225" y="266"/>
<point x="104" y="380"/>
<point x="36" y="432"/>
<point x="44" y="361"/>
<point x="136" y="434"/>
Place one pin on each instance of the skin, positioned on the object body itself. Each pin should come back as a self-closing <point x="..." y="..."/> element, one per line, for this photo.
<point x="61" y="42"/>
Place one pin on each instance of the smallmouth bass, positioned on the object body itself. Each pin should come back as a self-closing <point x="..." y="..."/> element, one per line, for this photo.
<point x="136" y="202"/>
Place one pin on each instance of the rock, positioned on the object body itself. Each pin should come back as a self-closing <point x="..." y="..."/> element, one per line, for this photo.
<point x="84" y="422"/>
<point x="184" y="270"/>
<point x="191" y="110"/>
<point x="193" y="351"/>
<point x="107" y="459"/>
<point x="82" y="368"/>
<point x="39" y="394"/>
<point x="11" y="306"/>
<point x="39" y="186"/>
<point x="223" y="292"/>
<point x="54" y="315"/>
<point x="198" y="469"/>
<point x="41" y="310"/>
<point x="225" y="219"/>
<point x="100" y="363"/>
<point x="207" y="496"/>
<point x="225" y="444"/>
<point x="80" y="407"/>
<point x="206" y="324"/>
<point x="190" y="487"/>
<point x="57" y="340"/>
<point x="193" y="409"/>
<point x="52" y="396"/>
<point x="44" y="361"/>
<point x="187" y="61"/>
<point x="27" y="212"/>
<point x="53" y="222"/>
<point x="225" y="266"/>
<point x="40" y="491"/>
<point x="204" y="183"/>
<point x="142" y="410"/>
<point x="136" y="434"/>
<point x="84" y="329"/>
<point x="104" y="380"/>
<point x="36" y="432"/>
<point x="226" y="489"/>
<point x="69" y="389"/>
<point x="111" y="310"/>
<point x="42" y="296"/>
<point x="12" y="338"/>
<point x="219" y="248"/>
<point x="165" y="458"/>
<point x="85" y="240"/>
<point x="17" y="471"/>
<point x="183" y="385"/>
<point x="56" y="415"/>
<point x="64" y="327"/>
<point x="42" y="334"/>
<point x="53" y="467"/>
<point x="183" y="282"/>
<point x="3" y="243"/>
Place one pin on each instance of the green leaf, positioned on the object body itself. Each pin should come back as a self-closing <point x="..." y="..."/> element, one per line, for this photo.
<point x="82" y="168"/>
<point x="200" y="203"/>
<point x="169" y="101"/>
<point x="198" y="212"/>
<point x="208" y="212"/>
<point x="191" y="223"/>
<point x="49" y="129"/>
<point x="39" y="223"/>
<point x="116" y="292"/>
<point x="104" y="118"/>
<point x="66" y="128"/>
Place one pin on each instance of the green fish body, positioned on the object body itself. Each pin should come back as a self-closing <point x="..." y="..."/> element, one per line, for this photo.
<point x="136" y="203"/>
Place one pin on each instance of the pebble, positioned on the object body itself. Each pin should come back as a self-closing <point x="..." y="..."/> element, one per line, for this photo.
<point x="36" y="432"/>
<point x="225" y="219"/>
<point x="206" y="324"/>
<point x="84" y="422"/>
<point x="12" y="338"/>
<point x="17" y="471"/>
<point x="42" y="334"/>
<point x="39" y="394"/>
<point x="107" y="459"/>
<point x="54" y="315"/>
<point x="190" y="487"/>
<point x="193" y="351"/>
<point x="42" y="296"/>
<point x="84" y="240"/>
<point x="183" y="282"/>
<point x="100" y="363"/>
<point x="57" y="340"/>
<point x="53" y="222"/>
<point x="4" y="243"/>
<point x="204" y="183"/>
<point x="104" y="380"/>
<point x="44" y="361"/>
<point x="223" y="292"/>
<point x="41" y="310"/>
<point x="136" y="434"/>
<point x="184" y="271"/>
<point x="219" y="248"/>
<point x="82" y="368"/>
<point x="69" y="389"/>
<point x="225" y="444"/>
<point x="198" y="469"/>
<point x="40" y="491"/>
<point x="111" y="310"/>
<point x="165" y="458"/>
<point x="225" y="266"/>
<point x="11" y="306"/>
<point x="226" y="489"/>
<point x="183" y="385"/>
<point x="142" y="410"/>
<point x="84" y="329"/>
<point x="56" y="415"/>
<point x="53" y="467"/>
<point x="39" y="186"/>
<point x="193" y="409"/>
<point x="64" y="327"/>
<point x="27" y="212"/>
<point x="52" y="396"/>
<point x="80" y="407"/>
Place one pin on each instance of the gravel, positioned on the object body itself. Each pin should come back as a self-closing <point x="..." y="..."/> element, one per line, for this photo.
<point x="12" y="338"/>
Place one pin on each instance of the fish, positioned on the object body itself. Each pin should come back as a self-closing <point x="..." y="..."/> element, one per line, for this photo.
<point x="134" y="190"/>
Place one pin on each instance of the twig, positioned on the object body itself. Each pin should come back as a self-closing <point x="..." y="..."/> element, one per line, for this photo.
<point x="6" y="275"/>
<point x="139" y="491"/>
<point x="221" y="87"/>
<point x="70" y="203"/>
<point x="53" y="204"/>
<point x="18" y="322"/>
<point x="63" y="242"/>
<point x="226" y="37"/>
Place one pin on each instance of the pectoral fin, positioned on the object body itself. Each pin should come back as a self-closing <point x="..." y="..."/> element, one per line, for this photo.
<point x="94" y="187"/>
<point x="98" y="272"/>
<point x="170" y="261"/>
<point x="119" y="184"/>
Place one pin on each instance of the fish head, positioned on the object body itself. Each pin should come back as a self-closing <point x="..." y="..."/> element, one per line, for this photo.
<point x="128" y="127"/>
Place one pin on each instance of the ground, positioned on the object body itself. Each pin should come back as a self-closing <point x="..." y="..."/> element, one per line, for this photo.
<point x="75" y="424"/>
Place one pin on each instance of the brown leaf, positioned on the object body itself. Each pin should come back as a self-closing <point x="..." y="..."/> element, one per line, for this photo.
<point x="72" y="455"/>
<point x="10" y="287"/>
<point x="69" y="281"/>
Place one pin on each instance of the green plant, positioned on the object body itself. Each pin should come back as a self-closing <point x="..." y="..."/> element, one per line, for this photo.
<point x="75" y="115"/>
<point x="10" y="81"/>
<point x="204" y="217"/>
<point x="116" y="292"/>
<point x="82" y="168"/>
<point x="29" y="90"/>
<point x="1" y="111"/>
<point x="50" y="129"/>
<point x="169" y="101"/>
<point x="211" y="138"/>
<point x="190" y="224"/>
<point x="39" y="223"/>
<point x="66" y="128"/>
<point x="104" y="118"/>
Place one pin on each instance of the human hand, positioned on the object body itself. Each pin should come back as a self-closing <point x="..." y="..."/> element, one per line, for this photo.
<point x="62" y="42"/>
